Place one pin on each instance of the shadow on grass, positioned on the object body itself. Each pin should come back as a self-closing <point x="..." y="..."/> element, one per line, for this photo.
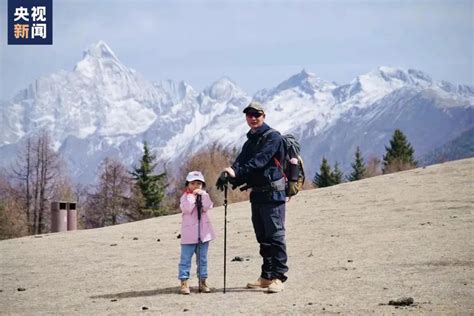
<point x="170" y="290"/>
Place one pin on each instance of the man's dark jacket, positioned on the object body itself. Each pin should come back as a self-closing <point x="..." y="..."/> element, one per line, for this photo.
<point x="256" y="167"/>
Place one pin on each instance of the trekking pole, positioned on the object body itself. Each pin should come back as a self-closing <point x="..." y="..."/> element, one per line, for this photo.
<point x="225" y="230"/>
<point x="199" y="211"/>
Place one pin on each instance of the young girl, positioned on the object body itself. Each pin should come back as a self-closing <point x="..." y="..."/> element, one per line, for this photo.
<point x="190" y="242"/>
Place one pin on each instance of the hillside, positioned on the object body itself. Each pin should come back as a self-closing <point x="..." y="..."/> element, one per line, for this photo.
<point x="459" y="148"/>
<point x="352" y="248"/>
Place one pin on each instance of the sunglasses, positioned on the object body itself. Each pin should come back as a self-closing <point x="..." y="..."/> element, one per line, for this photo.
<point x="253" y="114"/>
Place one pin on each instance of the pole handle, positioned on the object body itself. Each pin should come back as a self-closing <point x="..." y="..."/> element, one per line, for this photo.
<point x="199" y="205"/>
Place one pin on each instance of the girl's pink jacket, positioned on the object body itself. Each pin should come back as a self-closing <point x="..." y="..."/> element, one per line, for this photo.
<point x="189" y="223"/>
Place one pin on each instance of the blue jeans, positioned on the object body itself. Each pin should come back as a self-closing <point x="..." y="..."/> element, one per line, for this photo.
<point x="187" y="252"/>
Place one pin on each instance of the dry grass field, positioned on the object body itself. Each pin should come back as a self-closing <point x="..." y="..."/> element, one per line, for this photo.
<point x="352" y="248"/>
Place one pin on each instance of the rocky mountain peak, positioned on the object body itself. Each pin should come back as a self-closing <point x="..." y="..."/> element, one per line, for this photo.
<point x="100" y="50"/>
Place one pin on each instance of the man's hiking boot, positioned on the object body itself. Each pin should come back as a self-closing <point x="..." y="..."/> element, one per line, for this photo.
<point x="184" y="289"/>
<point x="260" y="283"/>
<point x="276" y="286"/>
<point x="203" y="287"/>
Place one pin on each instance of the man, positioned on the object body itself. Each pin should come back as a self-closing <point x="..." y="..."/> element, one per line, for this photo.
<point x="258" y="166"/>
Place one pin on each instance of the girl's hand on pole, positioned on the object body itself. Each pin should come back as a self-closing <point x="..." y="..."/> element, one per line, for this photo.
<point x="198" y="192"/>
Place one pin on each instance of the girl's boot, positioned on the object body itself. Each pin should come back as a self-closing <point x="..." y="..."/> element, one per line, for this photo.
<point x="184" y="289"/>
<point x="203" y="287"/>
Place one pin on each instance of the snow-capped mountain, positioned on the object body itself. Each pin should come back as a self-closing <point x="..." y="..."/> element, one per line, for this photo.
<point x="421" y="114"/>
<point x="99" y="97"/>
<point x="103" y="108"/>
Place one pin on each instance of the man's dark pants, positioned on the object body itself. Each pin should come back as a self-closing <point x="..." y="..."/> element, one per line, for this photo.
<point x="269" y="224"/>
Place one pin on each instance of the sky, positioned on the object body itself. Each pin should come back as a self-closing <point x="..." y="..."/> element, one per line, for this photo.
<point x="257" y="44"/>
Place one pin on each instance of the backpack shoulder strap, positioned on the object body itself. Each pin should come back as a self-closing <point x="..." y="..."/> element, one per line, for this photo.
<point x="269" y="131"/>
<point x="275" y="160"/>
<point x="264" y="135"/>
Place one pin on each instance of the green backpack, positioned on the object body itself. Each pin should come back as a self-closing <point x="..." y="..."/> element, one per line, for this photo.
<point x="292" y="165"/>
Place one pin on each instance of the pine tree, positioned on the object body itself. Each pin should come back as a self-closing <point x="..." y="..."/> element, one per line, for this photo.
<point x="151" y="186"/>
<point x="324" y="177"/>
<point x="358" y="167"/>
<point x="336" y="175"/>
<point x="399" y="156"/>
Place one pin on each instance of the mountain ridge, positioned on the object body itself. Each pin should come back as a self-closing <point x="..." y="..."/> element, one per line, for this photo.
<point x="103" y="102"/>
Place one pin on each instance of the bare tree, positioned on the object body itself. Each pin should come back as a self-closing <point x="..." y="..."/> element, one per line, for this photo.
<point x="22" y="170"/>
<point x="109" y="203"/>
<point x="65" y="190"/>
<point x="373" y="167"/>
<point x="81" y="197"/>
<point x="12" y="219"/>
<point x="37" y="167"/>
